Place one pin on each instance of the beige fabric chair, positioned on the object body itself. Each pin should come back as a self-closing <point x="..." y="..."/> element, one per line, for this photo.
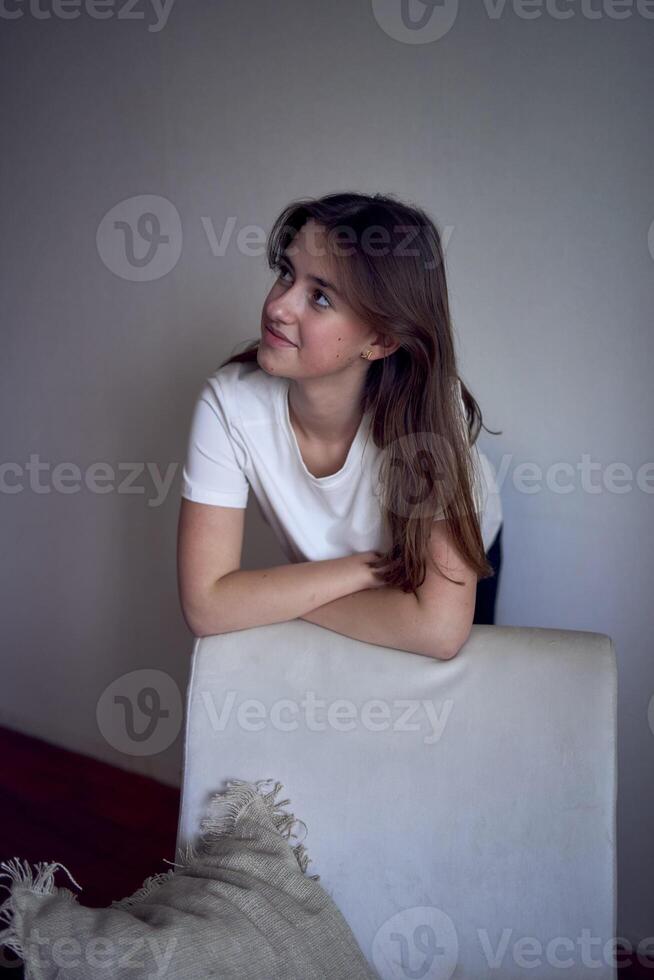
<point x="460" y="813"/>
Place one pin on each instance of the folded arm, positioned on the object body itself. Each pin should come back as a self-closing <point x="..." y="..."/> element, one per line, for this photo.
<point x="387" y="617"/>
<point x="435" y="624"/>
<point x="341" y="594"/>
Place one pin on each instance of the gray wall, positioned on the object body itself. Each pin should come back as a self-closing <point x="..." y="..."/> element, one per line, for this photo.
<point x="523" y="132"/>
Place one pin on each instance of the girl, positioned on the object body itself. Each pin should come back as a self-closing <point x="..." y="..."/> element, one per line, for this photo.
<point x="348" y="419"/>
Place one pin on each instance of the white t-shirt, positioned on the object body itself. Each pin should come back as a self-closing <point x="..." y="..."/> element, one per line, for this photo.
<point x="241" y="437"/>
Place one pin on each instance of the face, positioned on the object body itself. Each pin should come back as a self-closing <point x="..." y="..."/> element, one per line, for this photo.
<point x="326" y="335"/>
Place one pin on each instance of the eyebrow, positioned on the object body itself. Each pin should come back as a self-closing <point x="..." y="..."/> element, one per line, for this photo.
<point x="321" y="282"/>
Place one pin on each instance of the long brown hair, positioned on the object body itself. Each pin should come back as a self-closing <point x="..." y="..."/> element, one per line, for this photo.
<point x="401" y="292"/>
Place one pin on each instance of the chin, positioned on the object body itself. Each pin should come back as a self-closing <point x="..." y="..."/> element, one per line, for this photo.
<point x="261" y="358"/>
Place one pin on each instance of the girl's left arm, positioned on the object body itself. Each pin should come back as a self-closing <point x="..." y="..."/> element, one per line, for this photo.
<point x="436" y="624"/>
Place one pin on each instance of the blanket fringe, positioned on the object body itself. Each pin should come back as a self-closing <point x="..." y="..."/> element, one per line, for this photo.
<point x="225" y="808"/>
<point x="40" y="881"/>
<point x="149" y="885"/>
<point x="223" y="812"/>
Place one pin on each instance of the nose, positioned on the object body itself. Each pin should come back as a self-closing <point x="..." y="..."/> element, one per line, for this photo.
<point x="278" y="313"/>
<point x="286" y="307"/>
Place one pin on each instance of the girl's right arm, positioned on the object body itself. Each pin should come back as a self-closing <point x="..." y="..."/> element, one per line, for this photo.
<point x="217" y="596"/>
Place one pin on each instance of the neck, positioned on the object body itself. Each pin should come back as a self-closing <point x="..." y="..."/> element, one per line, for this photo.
<point x="323" y="412"/>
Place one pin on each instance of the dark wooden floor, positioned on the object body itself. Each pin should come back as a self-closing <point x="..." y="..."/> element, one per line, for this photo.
<point x="110" y="828"/>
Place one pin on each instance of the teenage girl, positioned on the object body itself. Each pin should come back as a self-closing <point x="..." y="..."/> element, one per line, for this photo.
<point x="348" y="419"/>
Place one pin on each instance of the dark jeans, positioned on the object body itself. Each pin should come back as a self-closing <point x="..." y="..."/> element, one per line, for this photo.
<point x="487" y="587"/>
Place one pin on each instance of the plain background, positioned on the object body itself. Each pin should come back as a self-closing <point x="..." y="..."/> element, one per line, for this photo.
<point x="529" y="141"/>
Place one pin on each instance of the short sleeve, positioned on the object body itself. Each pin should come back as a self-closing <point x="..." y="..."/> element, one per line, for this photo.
<point x="480" y="485"/>
<point x="213" y="470"/>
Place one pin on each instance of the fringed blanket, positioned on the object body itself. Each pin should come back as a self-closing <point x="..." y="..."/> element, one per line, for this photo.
<point x="240" y="906"/>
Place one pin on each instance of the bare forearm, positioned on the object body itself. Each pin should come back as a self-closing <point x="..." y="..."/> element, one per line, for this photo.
<point x="246" y="598"/>
<point x="387" y="617"/>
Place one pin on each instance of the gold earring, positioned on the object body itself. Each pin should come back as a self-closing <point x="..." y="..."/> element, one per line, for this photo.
<point x="368" y="354"/>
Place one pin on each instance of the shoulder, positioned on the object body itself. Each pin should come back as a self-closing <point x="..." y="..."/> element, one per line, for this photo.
<point x="243" y="390"/>
<point x="235" y="381"/>
<point x="237" y="373"/>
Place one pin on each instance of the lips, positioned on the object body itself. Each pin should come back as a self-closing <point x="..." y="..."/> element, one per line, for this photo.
<point x="278" y="333"/>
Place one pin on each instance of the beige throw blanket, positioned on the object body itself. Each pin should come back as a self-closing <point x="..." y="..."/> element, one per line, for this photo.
<point x="239" y="906"/>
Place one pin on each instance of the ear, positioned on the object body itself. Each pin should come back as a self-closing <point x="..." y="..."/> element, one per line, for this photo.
<point x="386" y="345"/>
